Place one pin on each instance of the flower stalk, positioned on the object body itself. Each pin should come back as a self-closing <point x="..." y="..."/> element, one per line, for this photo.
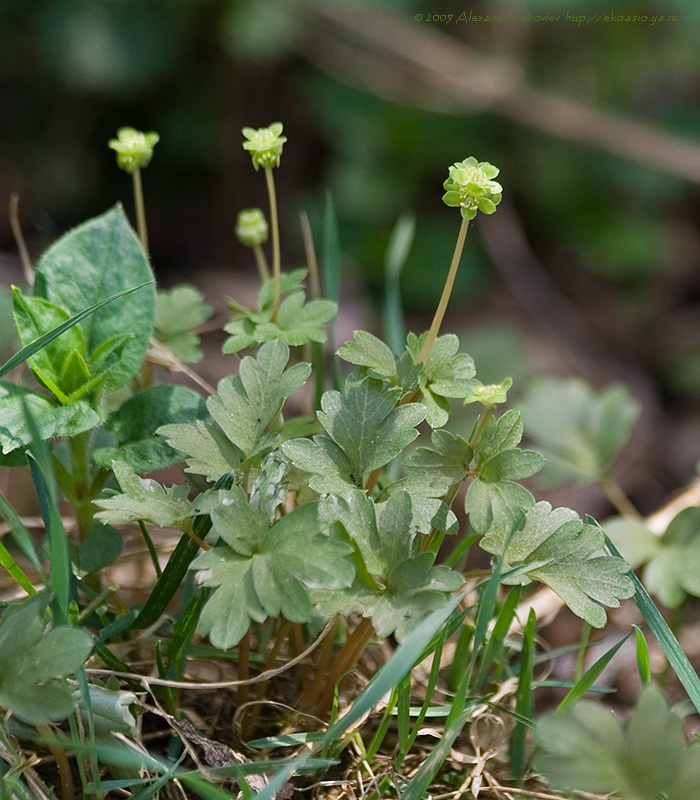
<point x="134" y="151"/>
<point x="265" y="148"/>
<point x="471" y="188"/>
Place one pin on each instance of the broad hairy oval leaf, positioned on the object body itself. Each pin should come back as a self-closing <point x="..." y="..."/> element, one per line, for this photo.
<point x="91" y="262"/>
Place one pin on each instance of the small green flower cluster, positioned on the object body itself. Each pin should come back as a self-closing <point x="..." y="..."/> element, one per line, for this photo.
<point x="265" y="145"/>
<point x="134" y="148"/>
<point x="471" y="187"/>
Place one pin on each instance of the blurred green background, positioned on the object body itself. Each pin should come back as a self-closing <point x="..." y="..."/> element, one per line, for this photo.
<point x="591" y="266"/>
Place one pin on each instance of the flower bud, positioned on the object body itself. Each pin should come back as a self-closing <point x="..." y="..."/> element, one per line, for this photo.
<point x="134" y="148"/>
<point x="471" y="187"/>
<point x="251" y="227"/>
<point x="265" y="145"/>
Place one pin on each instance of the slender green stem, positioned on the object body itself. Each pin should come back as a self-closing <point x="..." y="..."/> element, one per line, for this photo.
<point x="244" y="669"/>
<point x="617" y="496"/>
<point x="275" y="230"/>
<point x="261" y="263"/>
<point x="83" y="507"/>
<point x="140" y="209"/>
<point x="446" y="292"/>
<point x="310" y="251"/>
<point x="582" y="649"/>
<point x="479" y="430"/>
<point x="151" y="548"/>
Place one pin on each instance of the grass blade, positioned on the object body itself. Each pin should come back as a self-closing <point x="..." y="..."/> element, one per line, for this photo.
<point x="39" y="459"/>
<point x="331" y="274"/>
<point x="643" y="663"/>
<point x="589" y="677"/>
<point x="33" y="347"/>
<point x="20" y="534"/>
<point x="14" y="570"/>
<point x="397" y="251"/>
<point x="664" y="636"/>
<point x="423" y="777"/>
<point x="523" y="699"/>
<point x="498" y="634"/>
<point x="399" y="665"/>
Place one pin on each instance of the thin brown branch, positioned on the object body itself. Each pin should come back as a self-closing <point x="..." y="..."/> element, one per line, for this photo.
<point x="390" y="54"/>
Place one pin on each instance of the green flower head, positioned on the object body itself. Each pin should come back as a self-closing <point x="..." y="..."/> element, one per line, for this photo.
<point x="472" y="188"/>
<point x="251" y="227"/>
<point x="134" y="148"/>
<point x="265" y="145"/>
<point x="490" y="395"/>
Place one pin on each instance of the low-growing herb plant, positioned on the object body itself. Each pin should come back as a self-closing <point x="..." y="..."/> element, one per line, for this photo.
<point x="304" y="536"/>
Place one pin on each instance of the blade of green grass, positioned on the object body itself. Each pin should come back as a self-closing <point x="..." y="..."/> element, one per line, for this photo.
<point x="523" y="698"/>
<point x="39" y="459"/>
<point x="397" y="251"/>
<point x="498" y="634"/>
<point x="33" y="347"/>
<point x="484" y="614"/>
<point x="400" y="664"/>
<point x="643" y="663"/>
<point x="331" y="275"/>
<point x="177" y="566"/>
<point x="664" y="636"/>
<point x="589" y="677"/>
<point x="424" y="775"/>
<point x="14" y="570"/>
<point x="425" y="708"/>
<point x="20" y="534"/>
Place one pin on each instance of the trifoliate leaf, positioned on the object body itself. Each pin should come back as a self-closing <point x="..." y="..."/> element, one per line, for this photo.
<point x="296" y="323"/>
<point x="636" y="543"/>
<point x="368" y="351"/>
<point x="247" y="403"/>
<point x="496" y="503"/>
<point x="499" y="434"/>
<point x="555" y="547"/>
<point x="178" y="310"/>
<point x="330" y="469"/>
<point x="580" y="431"/>
<point x="415" y="588"/>
<point x="446" y="373"/>
<point x="446" y="462"/>
<point x="585" y="748"/>
<point x="290" y="282"/>
<point x="366" y="429"/>
<point x="266" y="569"/>
<point x="210" y="452"/>
<point x="671" y="570"/>
<point x="136" y="423"/>
<point x="144" y="499"/>
<point x="512" y="465"/>
<point x="31" y="660"/>
<point x="366" y="424"/>
<point x="392" y="586"/>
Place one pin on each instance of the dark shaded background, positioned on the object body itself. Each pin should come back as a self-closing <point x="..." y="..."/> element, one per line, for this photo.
<point x="591" y="265"/>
